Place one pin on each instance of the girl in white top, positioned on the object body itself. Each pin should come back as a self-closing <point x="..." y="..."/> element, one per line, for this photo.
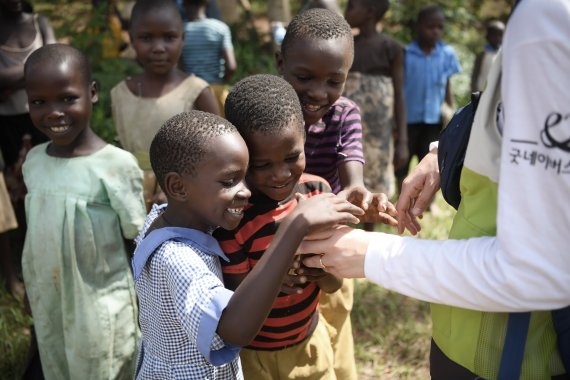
<point x="142" y="103"/>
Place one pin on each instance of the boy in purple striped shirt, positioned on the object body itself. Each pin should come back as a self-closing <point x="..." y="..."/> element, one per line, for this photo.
<point x="316" y="55"/>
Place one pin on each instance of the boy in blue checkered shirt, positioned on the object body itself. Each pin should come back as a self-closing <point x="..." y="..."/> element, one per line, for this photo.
<point x="192" y="327"/>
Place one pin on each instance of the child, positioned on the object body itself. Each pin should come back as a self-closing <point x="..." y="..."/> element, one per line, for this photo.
<point x="376" y="84"/>
<point x="21" y="32"/>
<point x="293" y="343"/>
<point x="208" y="51"/>
<point x="315" y="58"/>
<point x="429" y="65"/>
<point x="141" y="104"/>
<point x="191" y="325"/>
<point x="483" y="60"/>
<point x="84" y="198"/>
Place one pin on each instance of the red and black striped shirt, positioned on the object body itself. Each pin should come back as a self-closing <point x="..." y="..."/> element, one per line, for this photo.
<point x="290" y="318"/>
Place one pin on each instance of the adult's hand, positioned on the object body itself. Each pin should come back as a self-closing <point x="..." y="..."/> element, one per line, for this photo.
<point x="418" y="190"/>
<point x="342" y="252"/>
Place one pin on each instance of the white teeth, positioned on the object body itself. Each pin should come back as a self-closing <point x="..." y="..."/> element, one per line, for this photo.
<point x="311" y="107"/>
<point x="236" y="211"/>
<point x="59" y="129"/>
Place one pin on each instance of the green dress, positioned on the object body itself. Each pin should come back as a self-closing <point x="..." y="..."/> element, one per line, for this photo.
<point x="75" y="265"/>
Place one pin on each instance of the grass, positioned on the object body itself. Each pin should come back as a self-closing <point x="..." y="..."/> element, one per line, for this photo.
<point x="391" y="331"/>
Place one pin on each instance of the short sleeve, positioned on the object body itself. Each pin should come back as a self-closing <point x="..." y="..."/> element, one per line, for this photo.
<point x="349" y="146"/>
<point x="452" y="65"/>
<point x="200" y="299"/>
<point x="125" y="191"/>
<point x="227" y="38"/>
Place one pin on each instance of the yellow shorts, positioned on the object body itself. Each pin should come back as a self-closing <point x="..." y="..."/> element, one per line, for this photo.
<point x="335" y="308"/>
<point x="221" y="92"/>
<point x="308" y="360"/>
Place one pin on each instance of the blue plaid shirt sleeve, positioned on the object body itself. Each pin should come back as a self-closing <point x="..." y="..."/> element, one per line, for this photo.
<point x="200" y="298"/>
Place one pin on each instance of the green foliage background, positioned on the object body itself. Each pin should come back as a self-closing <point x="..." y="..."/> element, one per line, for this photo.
<point x="86" y="29"/>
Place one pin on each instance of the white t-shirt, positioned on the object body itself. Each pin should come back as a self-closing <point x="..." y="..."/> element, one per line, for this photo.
<point x="527" y="265"/>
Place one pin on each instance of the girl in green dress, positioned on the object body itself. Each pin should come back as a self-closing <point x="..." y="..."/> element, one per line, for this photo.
<point x="84" y="199"/>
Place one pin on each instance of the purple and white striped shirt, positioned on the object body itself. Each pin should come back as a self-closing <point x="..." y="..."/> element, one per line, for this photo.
<point x="334" y="139"/>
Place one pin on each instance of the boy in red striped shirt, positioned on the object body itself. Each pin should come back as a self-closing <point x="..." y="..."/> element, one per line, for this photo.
<point x="293" y="342"/>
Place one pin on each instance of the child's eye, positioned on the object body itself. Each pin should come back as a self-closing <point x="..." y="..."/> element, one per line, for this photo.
<point x="303" y="78"/>
<point x="293" y="158"/>
<point x="229" y="183"/>
<point x="259" y="166"/>
<point x="36" y="102"/>
<point x="70" y="99"/>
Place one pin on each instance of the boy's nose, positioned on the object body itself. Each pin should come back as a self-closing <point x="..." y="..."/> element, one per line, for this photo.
<point x="281" y="173"/>
<point x="244" y="191"/>
<point x="317" y="92"/>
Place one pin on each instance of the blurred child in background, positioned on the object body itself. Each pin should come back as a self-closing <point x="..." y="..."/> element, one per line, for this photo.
<point x="21" y="33"/>
<point x="84" y="202"/>
<point x="208" y="51"/>
<point x="429" y="65"/>
<point x="484" y="60"/>
<point x="142" y="103"/>
<point x="376" y="83"/>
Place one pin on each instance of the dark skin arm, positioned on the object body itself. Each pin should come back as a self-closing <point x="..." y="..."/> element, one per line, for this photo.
<point x="230" y="64"/>
<point x="476" y="71"/>
<point x="207" y="102"/>
<point x="401" y="153"/>
<point x="244" y="315"/>
<point x="48" y="34"/>
<point x="449" y="94"/>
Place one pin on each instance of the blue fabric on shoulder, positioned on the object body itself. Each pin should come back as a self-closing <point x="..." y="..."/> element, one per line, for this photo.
<point x="153" y="240"/>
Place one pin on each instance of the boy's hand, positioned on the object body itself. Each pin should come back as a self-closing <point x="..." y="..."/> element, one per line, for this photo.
<point x="357" y="195"/>
<point x="324" y="211"/>
<point x="380" y="210"/>
<point x="376" y="205"/>
<point x="300" y="274"/>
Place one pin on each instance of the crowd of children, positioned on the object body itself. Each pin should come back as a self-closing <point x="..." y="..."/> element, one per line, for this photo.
<point x="214" y="290"/>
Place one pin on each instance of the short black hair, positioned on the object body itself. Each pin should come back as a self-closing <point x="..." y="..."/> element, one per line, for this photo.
<point x="263" y="103"/>
<point x="428" y="11"/>
<point x="317" y="23"/>
<point x="59" y="53"/>
<point x="380" y="7"/>
<point x="145" y="6"/>
<point x="180" y="144"/>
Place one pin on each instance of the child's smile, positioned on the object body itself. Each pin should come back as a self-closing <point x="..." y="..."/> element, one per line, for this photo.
<point x="317" y="70"/>
<point x="276" y="163"/>
<point x="216" y="194"/>
<point x="60" y="101"/>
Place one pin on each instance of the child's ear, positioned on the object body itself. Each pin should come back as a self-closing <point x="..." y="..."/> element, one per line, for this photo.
<point x="94" y="92"/>
<point x="174" y="187"/>
<point x="279" y="62"/>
